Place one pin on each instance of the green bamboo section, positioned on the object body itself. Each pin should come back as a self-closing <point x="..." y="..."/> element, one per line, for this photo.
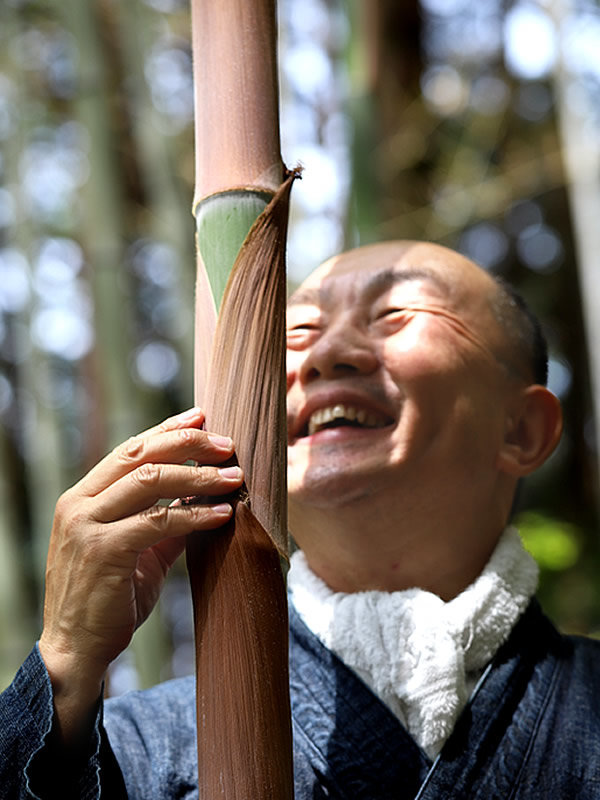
<point x="223" y="221"/>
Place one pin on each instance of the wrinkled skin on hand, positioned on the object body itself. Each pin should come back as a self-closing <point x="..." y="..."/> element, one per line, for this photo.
<point x="112" y="546"/>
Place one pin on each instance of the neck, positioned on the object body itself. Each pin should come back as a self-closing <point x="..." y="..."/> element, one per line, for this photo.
<point x="354" y="548"/>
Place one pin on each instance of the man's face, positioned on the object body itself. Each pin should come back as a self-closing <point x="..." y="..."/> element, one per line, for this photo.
<point x="394" y="377"/>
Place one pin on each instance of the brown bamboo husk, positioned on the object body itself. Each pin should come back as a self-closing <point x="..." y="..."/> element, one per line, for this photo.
<point x="247" y="373"/>
<point x="244" y="730"/>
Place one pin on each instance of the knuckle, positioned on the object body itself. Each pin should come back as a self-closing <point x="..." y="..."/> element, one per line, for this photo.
<point x="63" y="506"/>
<point x="164" y="426"/>
<point x="204" y="475"/>
<point x="186" y="437"/>
<point x="148" y="475"/>
<point x="130" y="450"/>
<point x="70" y="511"/>
<point x="157" y="517"/>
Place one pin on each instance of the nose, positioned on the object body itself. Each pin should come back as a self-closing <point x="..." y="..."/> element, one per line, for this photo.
<point x="341" y="350"/>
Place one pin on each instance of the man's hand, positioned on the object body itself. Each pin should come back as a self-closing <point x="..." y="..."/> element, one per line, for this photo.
<point x="112" y="546"/>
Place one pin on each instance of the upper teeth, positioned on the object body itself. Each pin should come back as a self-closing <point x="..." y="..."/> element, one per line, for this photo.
<point x="341" y="411"/>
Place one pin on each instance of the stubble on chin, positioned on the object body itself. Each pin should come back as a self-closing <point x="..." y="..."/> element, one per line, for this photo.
<point x="325" y="488"/>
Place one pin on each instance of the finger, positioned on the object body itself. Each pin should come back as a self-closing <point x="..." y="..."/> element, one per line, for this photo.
<point x="149" y="483"/>
<point x="171" y="446"/>
<point x="157" y="523"/>
<point x="191" y="418"/>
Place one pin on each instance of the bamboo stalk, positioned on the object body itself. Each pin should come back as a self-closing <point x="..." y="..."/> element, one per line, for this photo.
<point x="236" y="97"/>
<point x="581" y="153"/>
<point x="121" y="403"/>
<point x="167" y="202"/>
<point x="41" y="429"/>
<point x="238" y="586"/>
<point x="17" y="626"/>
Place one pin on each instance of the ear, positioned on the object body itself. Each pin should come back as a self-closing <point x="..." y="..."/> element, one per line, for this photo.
<point x="532" y="432"/>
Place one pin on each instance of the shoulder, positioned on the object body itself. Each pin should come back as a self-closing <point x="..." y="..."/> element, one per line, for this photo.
<point x="585" y="650"/>
<point x="575" y="674"/>
<point x="580" y="673"/>
<point x="563" y="759"/>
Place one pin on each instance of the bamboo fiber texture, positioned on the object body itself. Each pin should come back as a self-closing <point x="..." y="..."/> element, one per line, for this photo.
<point x="238" y="587"/>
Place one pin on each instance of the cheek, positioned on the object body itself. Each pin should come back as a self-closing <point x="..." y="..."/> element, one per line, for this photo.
<point x="293" y="361"/>
<point x="416" y="355"/>
<point x="429" y="352"/>
<point x="442" y="389"/>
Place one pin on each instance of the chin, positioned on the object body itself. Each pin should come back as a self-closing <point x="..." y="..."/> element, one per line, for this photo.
<point x="324" y="488"/>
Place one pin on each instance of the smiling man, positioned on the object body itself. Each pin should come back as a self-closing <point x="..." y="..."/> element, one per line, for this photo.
<point x="420" y="663"/>
<point x="416" y="402"/>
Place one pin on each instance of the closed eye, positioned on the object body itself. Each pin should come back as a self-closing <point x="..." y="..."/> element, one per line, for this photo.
<point x="388" y="312"/>
<point x="390" y="319"/>
<point x="298" y="336"/>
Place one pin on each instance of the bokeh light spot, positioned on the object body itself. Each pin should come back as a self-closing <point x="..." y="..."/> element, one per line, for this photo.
<point x="539" y="247"/>
<point x="157" y="364"/>
<point x="14" y="280"/>
<point x="62" y="332"/>
<point x="530" y="42"/>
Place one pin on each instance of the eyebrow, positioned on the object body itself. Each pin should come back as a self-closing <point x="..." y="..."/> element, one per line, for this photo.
<point x="374" y="286"/>
<point x="384" y="280"/>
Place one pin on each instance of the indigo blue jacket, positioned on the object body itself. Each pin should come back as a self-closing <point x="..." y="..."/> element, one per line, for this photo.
<point x="530" y="732"/>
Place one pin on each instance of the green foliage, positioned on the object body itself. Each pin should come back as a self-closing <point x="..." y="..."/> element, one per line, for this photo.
<point x="569" y="563"/>
<point x="555" y="545"/>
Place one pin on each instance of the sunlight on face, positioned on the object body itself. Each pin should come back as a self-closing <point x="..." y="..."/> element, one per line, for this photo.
<point x="392" y="363"/>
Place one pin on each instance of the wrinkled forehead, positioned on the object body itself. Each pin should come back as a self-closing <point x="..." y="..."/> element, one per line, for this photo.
<point x="365" y="273"/>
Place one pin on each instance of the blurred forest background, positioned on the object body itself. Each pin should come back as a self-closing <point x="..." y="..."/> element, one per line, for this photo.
<point x="474" y="124"/>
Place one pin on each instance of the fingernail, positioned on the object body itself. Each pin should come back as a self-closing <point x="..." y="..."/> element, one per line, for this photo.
<point x="222" y="509"/>
<point x="230" y="473"/>
<point x="220" y="441"/>
<point x="191" y="413"/>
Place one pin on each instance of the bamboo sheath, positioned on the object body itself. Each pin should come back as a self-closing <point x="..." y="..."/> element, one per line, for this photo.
<point x="238" y="585"/>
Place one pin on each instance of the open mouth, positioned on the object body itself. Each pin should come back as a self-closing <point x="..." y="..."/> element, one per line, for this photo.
<point x="341" y="415"/>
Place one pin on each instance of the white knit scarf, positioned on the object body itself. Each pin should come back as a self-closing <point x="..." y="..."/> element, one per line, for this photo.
<point x="419" y="654"/>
